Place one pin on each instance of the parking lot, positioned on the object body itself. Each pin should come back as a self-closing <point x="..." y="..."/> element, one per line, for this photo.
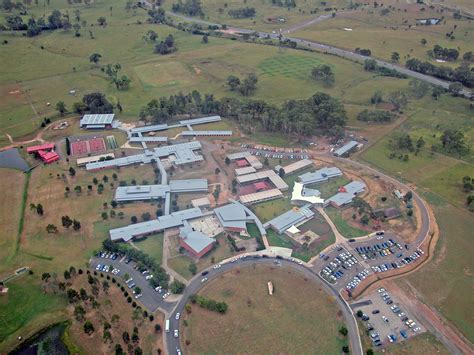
<point x="150" y="299"/>
<point x="384" y="252"/>
<point x="385" y="318"/>
<point x="343" y="268"/>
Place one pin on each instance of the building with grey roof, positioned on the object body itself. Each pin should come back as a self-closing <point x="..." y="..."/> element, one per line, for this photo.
<point x="346" y="149"/>
<point x="141" y="193"/>
<point x="346" y="194"/>
<point x="318" y="176"/>
<point x="283" y="222"/>
<point x="246" y="170"/>
<point x="189" y="185"/>
<point x="137" y="230"/>
<point x="235" y="216"/>
<point x="202" y="202"/>
<point x="260" y="196"/>
<point x="97" y="121"/>
<point x="238" y="155"/>
<point x="201" y="120"/>
<point x="151" y="128"/>
<point x="275" y="179"/>
<point x="141" y="139"/>
<point x="206" y="133"/>
<point x="178" y="153"/>
<point x="195" y="242"/>
<point x="294" y="167"/>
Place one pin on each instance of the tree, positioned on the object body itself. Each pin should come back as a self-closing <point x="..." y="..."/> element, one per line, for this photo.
<point x="217" y="171"/>
<point x="39" y="209"/>
<point x="395" y="57"/>
<point x="453" y="141"/>
<point x="61" y="108"/>
<point x="95" y="58"/>
<point x="113" y="203"/>
<point x="437" y="92"/>
<point x="104" y="216"/>
<point x="76" y="225"/>
<point x="152" y="35"/>
<point x="323" y="73"/>
<point x="205" y="39"/>
<point x="72" y="295"/>
<point x="345" y="349"/>
<point x="66" y="221"/>
<point x="88" y="328"/>
<point x="72" y="171"/>
<point x="343" y="330"/>
<point x="423" y="41"/>
<point x="146" y="216"/>
<point x="78" y="189"/>
<point x="79" y="313"/>
<point x="177" y="287"/>
<point x="249" y="85"/>
<point x="365" y="219"/>
<point x="227" y="161"/>
<point x="192" y="268"/>
<point x="455" y="88"/>
<point x="102" y="21"/>
<point x="97" y="103"/>
<point x="126" y="337"/>
<point x="370" y="64"/>
<point x="51" y="229"/>
<point x="118" y="349"/>
<point x="105" y="286"/>
<point x="233" y="82"/>
<point x="398" y="99"/>
<point x="134" y="219"/>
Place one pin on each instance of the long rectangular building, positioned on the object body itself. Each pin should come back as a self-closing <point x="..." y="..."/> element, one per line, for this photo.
<point x="140" y="193"/>
<point x="260" y="196"/>
<point x="296" y="166"/>
<point x="189" y="185"/>
<point x="148" y="139"/>
<point x="283" y="222"/>
<point x="136" y="230"/>
<point x="321" y="175"/>
<point x="151" y="128"/>
<point x="246" y="170"/>
<point x="262" y="175"/>
<point x="206" y="133"/>
<point x="201" y="120"/>
<point x="346" y="194"/>
<point x="97" y="121"/>
<point x="346" y="149"/>
<point x="95" y="158"/>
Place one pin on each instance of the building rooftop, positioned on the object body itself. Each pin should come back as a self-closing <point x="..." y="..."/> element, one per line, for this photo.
<point x="260" y="196"/>
<point x="140" y="192"/>
<point x="201" y="120"/>
<point x="151" y="128"/>
<point x="201" y="202"/>
<point x="299" y="195"/>
<point x="188" y="185"/>
<point x="148" y="139"/>
<point x="238" y="155"/>
<point x="294" y="167"/>
<point x="267" y="174"/>
<point x="97" y="119"/>
<point x="205" y="133"/>
<point x="172" y="220"/>
<point x="198" y="241"/>
<point x="290" y="218"/>
<point x="36" y="148"/>
<point x="246" y="170"/>
<point x="320" y="175"/>
<point x="345" y="148"/>
<point x="347" y="193"/>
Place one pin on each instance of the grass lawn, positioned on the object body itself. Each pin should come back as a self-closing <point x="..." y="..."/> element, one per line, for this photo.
<point x="181" y="263"/>
<point x="27" y="308"/>
<point x="331" y="187"/>
<point x="12" y="191"/>
<point x="252" y="314"/>
<point x="268" y="210"/>
<point x="342" y="226"/>
<point x="153" y="246"/>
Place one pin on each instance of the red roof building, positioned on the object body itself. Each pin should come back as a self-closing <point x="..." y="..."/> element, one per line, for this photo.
<point x="48" y="157"/>
<point x="37" y="148"/>
<point x="242" y="163"/>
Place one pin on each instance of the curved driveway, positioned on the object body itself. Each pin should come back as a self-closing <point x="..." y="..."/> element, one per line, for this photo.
<point x="172" y="343"/>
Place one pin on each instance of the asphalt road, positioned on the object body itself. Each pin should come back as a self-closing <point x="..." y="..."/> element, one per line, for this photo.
<point x="172" y="343"/>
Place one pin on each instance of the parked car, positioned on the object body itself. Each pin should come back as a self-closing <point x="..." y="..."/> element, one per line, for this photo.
<point x="177" y="316"/>
<point x="176" y="333"/>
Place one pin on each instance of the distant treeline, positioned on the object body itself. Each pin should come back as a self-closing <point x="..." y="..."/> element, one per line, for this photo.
<point x="462" y="74"/>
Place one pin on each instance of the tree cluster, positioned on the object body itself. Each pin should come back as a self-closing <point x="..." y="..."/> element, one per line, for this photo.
<point x="188" y="7"/>
<point x="363" y="51"/>
<point x="122" y="82"/>
<point x="284" y="3"/>
<point x="453" y="142"/>
<point x="95" y="102"/>
<point x="323" y="73"/>
<point x="203" y="302"/>
<point x="371" y="65"/>
<point x="448" y="54"/>
<point x="319" y="114"/>
<point x="246" y="86"/>
<point x="243" y="12"/>
<point x="463" y="74"/>
<point x="167" y="46"/>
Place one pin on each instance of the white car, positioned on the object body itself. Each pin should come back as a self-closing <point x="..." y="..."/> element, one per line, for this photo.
<point x="165" y="295"/>
<point x="380" y="290"/>
<point x="217" y="266"/>
<point x="176" y="333"/>
<point x="138" y="296"/>
<point x="149" y="277"/>
<point x="177" y="316"/>
<point x="204" y="279"/>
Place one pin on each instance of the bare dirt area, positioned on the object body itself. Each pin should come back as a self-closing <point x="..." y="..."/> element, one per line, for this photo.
<point x="114" y="311"/>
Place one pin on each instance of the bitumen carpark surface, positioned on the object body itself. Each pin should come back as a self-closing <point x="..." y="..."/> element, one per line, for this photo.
<point x="384" y="316"/>
<point x="150" y="299"/>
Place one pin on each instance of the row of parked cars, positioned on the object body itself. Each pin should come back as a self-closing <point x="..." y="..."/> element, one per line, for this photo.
<point x="274" y="149"/>
<point x="107" y="268"/>
<point x="378" y="250"/>
<point x="335" y="269"/>
<point x="357" y="279"/>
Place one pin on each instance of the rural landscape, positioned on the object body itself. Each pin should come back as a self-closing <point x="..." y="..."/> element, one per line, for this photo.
<point x="236" y="176"/>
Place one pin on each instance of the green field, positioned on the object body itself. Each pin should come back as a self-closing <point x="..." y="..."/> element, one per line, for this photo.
<point x="343" y="226"/>
<point x="26" y="307"/>
<point x="252" y="312"/>
<point x="268" y="210"/>
<point x="153" y="246"/>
